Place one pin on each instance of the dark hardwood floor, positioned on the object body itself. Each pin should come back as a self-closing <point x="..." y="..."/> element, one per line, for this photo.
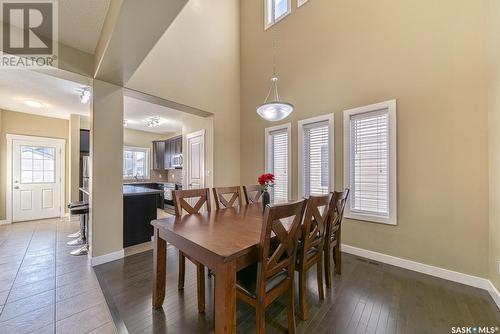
<point x="367" y="298"/>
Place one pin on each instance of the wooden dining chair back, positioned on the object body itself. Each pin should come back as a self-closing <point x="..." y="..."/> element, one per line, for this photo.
<point x="252" y="193"/>
<point x="180" y="198"/>
<point x="333" y="234"/>
<point x="311" y="244"/>
<point x="273" y="275"/>
<point x="221" y="201"/>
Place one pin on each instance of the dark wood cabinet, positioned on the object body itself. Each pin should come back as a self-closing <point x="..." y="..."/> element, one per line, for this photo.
<point x="168" y="154"/>
<point x="164" y="151"/>
<point x="177" y="145"/>
<point x="84" y="141"/>
<point x="159" y="155"/>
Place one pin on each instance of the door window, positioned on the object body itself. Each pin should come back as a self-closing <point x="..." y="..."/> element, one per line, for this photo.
<point x="37" y="164"/>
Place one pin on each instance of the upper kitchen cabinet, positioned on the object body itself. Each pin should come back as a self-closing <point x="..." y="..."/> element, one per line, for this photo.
<point x="84" y="141"/>
<point x="177" y="143"/>
<point x="159" y="155"/>
<point x="166" y="154"/>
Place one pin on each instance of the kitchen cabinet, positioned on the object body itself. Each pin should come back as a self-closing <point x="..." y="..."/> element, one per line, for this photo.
<point x="168" y="154"/>
<point x="159" y="155"/>
<point x="84" y="141"/>
<point x="177" y="143"/>
<point x="164" y="151"/>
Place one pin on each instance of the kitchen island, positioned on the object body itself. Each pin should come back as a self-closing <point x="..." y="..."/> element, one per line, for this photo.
<point x="139" y="209"/>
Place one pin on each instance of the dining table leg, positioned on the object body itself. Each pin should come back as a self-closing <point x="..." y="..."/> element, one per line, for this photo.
<point x="225" y="297"/>
<point x="159" y="269"/>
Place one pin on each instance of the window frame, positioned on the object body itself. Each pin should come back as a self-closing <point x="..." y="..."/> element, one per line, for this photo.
<point x="267" y="132"/>
<point x="300" y="3"/>
<point x="331" y="159"/>
<point x="391" y="107"/>
<point x="147" y="150"/>
<point x="275" y="20"/>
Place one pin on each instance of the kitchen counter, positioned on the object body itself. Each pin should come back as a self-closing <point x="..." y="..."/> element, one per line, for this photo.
<point x="136" y="190"/>
<point x="131" y="183"/>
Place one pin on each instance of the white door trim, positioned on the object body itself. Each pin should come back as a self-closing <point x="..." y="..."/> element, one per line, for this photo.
<point x="8" y="189"/>
<point x="186" y="158"/>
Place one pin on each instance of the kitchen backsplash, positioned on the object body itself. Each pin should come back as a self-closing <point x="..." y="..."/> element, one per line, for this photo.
<point x="173" y="175"/>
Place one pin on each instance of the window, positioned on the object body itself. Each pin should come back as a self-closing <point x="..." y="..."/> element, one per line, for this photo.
<point x="37" y="164"/>
<point x="135" y="162"/>
<point x="275" y="10"/>
<point x="316" y="156"/>
<point x="370" y="162"/>
<point x="278" y="160"/>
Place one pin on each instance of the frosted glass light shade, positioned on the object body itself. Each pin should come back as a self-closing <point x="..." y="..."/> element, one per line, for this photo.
<point x="275" y="111"/>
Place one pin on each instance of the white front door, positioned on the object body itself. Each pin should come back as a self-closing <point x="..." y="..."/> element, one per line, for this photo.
<point x="196" y="160"/>
<point x="36" y="178"/>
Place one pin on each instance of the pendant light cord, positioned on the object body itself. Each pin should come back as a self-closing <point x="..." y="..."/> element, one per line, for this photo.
<point x="274" y="51"/>
<point x="274" y="85"/>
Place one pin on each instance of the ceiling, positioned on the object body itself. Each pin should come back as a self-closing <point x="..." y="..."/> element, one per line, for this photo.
<point x="60" y="98"/>
<point x="80" y="23"/>
<point x="138" y="112"/>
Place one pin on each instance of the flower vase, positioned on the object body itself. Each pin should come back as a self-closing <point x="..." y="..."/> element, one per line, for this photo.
<point x="266" y="199"/>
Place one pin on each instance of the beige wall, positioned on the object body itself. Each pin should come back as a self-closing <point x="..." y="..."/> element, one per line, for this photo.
<point x="29" y="125"/>
<point x="494" y="137"/>
<point x="196" y="63"/>
<point x="430" y="56"/>
<point x="106" y="186"/>
<point x="74" y="160"/>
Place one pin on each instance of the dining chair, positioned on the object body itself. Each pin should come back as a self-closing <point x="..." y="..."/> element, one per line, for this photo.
<point x="273" y="275"/>
<point x="333" y="235"/>
<point x="310" y="249"/>
<point x="181" y="202"/>
<point x="252" y="193"/>
<point x="221" y="200"/>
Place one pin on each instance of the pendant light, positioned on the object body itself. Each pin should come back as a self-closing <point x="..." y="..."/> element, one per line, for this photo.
<point x="274" y="109"/>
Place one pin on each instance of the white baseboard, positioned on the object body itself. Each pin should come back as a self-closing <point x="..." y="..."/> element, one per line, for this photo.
<point x="475" y="281"/>
<point x="95" y="261"/>
<point x="494" y="294"/>
<point x="5" y="222"/>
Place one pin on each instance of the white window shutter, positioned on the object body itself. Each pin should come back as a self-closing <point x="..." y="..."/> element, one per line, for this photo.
<point x="279" y="163"/>
<point x="316" y="158"/>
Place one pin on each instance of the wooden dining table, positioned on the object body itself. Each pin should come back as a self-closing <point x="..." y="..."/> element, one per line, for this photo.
<point x="224" y="240"/>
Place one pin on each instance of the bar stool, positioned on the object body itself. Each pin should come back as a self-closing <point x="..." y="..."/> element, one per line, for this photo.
<point x="83" y="211"/>
<point x="77" y="234"/>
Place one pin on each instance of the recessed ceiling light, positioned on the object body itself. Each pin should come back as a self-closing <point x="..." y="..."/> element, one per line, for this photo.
<point x="34" y="104"/>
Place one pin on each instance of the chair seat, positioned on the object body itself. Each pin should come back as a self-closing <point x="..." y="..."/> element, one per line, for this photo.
<point x="79" y="210"/>
<point x="75" y="204"/>
<point x="246" y="280"/>
<point x="309" y="255"/>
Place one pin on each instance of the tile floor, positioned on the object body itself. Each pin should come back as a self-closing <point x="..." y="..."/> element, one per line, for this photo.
<point x="43" y="289"/>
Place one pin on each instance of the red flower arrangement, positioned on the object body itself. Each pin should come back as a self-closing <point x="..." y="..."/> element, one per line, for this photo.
<point x="266" y="180"/>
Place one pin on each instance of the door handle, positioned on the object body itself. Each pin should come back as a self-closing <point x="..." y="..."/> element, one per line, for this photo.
<point x="16" y="187"/>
